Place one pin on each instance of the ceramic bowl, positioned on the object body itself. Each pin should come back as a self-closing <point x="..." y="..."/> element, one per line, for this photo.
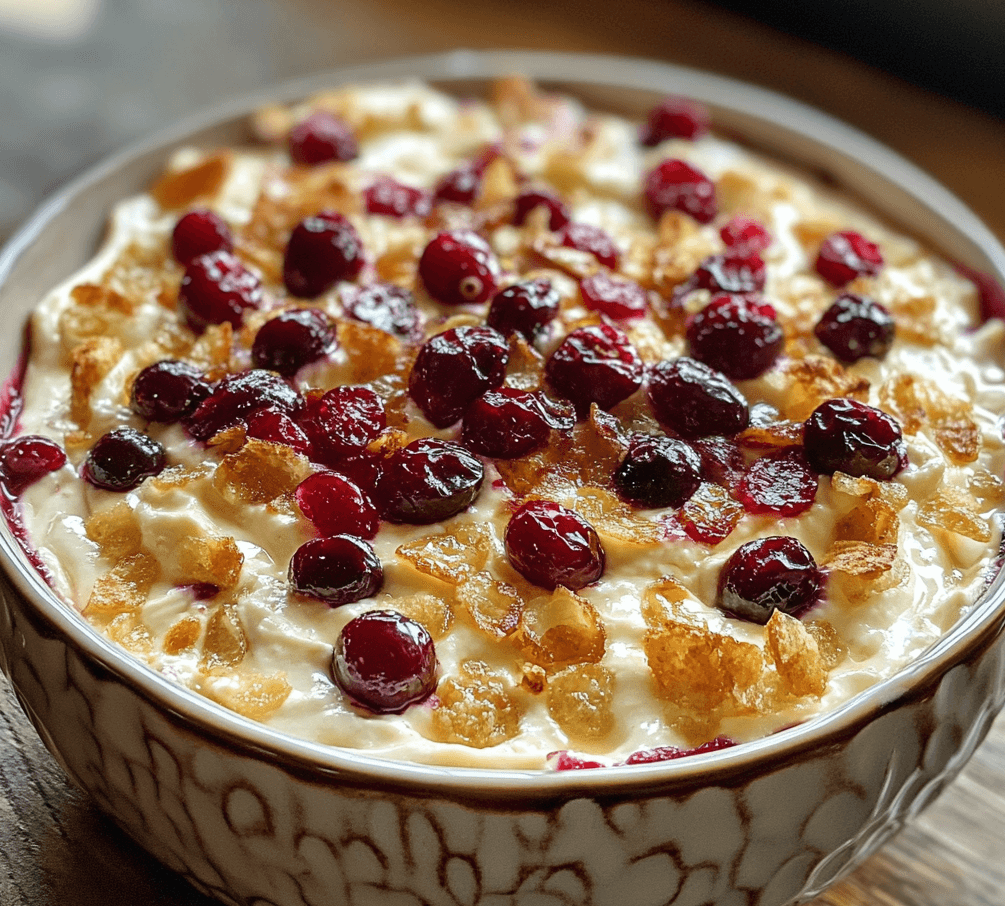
<point x="251" y="816"/>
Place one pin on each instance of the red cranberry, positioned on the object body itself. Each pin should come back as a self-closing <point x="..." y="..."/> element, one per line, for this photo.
<point x="558" y="212"/>
<point x="337" y="570"/>
<point x="855" y="327"/>
<point x="595" y="364"/>
<point x="236" y="397"/>
<point x="320" y="138"/>
<point x="336" y="506"/>
<point x="122" y="459"/>
<point x="293" y="339"/>
<point x="459" y="267"/>
<point x="670" y="753"/>
<point x="745" y="236"/>
<point x="769" y="574"/>
<point x="550" y="545"/>
<point x="322" y="250"/>
<point x="658" y="472"/>
<point x="461" y="186"/>
<point x="674" y="117"/>
<point x="386" y="306"/>
<point x="780" y="483"/>
<point x="588" y="238"/>
<point x="217" y="287"/>
<point x="675" y="185"/>
<point x="385" y="661"/>
<point x="428" y="481"/>
<point x="168" y="390"/>
<point x="506" y="423"/>
<point x="844" y="435"/>
<point x="567" y="761"/>
<point x="27" y="459"/>
<point x="525" y="308"/>
<point x="695" y="400"/>
<point x="614" y="296"/>
<point x="391" y="198"/>
<point x="846" y="255"/>
<point x="278" y="428"/>
<point x="738" y="335"/>
<point x="731" y="273"/>
<point x="722" y="461"/>
<point x="200" y="232"/>
<point x="454" y="368"/>
<point x="343" y="422"/>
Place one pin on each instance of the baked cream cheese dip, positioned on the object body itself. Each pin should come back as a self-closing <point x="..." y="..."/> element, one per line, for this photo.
<point x="509" y="434"/>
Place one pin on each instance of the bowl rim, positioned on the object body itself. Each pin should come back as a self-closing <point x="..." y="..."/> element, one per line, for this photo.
<point x="812" y="131"/>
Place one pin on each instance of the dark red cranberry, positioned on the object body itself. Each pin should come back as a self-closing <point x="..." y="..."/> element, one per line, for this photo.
<point x="531" y="199"/>
<point x="320" y="138"/>
<point x="745" y="236"/>
<point x="674" y="117"/>
<point x="722" y="461"/>
<point x="769" y="574"/>
<point x="236" y="397"/>
<point x="278" y="428"/>
<point x="731" y="273"/>
<point x="617" y="297"/>
<point x="844" y="435"/>
<point x="595" y="364"/>
<point x="525" y="308"/>
<point x="670" y="753"/>
<point x="780" y="483"/>
<point x="217" y="287"/>
<point x="855" y="327"/>
<point x="428" y="481"/>
<point x="658" y="471"/>
<point x="506" y="423"/>
<point x="386" y="306"/>
<point x="551" y="545"/>
<point x="343" y="422"/>
<point x="989" y="291"/>
<point x="337" y="570"/>
<point x="336" y="506"/>
<point x="588" y="238"/>
<point x="27" y="459"/>
<point x="459" y="186"/>
<point x="122" y="459"/>
<point x="168" y="390"/>
<point x="293" y="339"/>
<point x="391" y="198"/>
<point x="322" y="250"/>
<point x="738" y="335"/>
<point x="695" y="400"/>
<point x="385" y="661"/>
<point x="454" y="368"/>
<point x="459" y="267"/>
<point x="675" y="185"/>
<point x="200" y="232"/>
<point x="845" y="255"/>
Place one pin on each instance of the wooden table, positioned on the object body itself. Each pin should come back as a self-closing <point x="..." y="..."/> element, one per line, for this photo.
<point x="55" y="848"/>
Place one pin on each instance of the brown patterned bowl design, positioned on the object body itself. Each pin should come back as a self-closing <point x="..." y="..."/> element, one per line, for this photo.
<point x="252" y="816"/>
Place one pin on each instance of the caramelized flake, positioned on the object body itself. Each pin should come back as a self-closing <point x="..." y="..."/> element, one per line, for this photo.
<point x="495" y="607"/>
<point x="453" y="555"/>
<point x="182" y="188"/>
<point x="225" y="644"/>
<point x="476" y="708"/>
<point x="872" y="521"/>
<point x="613" y="519"/>
<point x="954" y="510"/>
<point x="250" y="694"/>
<point x="560" y="629"/>
<point x="115" y="531"/>
<point x="372" y="353"/>
<point x="711" y="514"/>
<point x="215" y="560"/>
<point x="860" y="559"/>
<point x="581" y="701"/>
<point x="796" y="655"/>
<point x="182" y="635"/>
<point x="260" y="472"/>
<point x="91" y="361"/>
<point x="131" y="633"/>
<point x="432" y="612"/>
<point x="815" y="379"/>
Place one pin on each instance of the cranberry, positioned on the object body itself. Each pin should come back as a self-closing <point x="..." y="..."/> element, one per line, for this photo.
<point x="459" y="267"/>
<point x="780" y="483"/>
<point x="385" y="661"/>
<point x="566" y="761"/>
<point x="670" y="753"/>
<point x="588" y="238"/>
<point x="738" y="335"/>
<point x="236" y="397"/>
<point x="846" y="255"/>
<point x="731" y="273"/>
<point x="658" y="472"/>
<point x="550" y="545"/>
<point x="217" y="287"/>
<point x="343" y="422"/>
<point x="121" y="459"/>
<point x="322" y="250"/>
<point x="459" y="186"/>
<point x="769" y="574"/>
<point x="168" y="390"/>
<point x="386" y="306"/>
<point x="722" y="461"/>
<point x="337" y="570"/>
<point x="200" y="232"/>
<point x="595" y="364"/>
<point x="855" y="327"/>
<point x="27" y="459"/>
<point x="505" y="424"/>
<point x="278" y="428"/>
<point x="745" y="236"/>
<point x="674" y="117"/>
<point x="293" y="339"/>
<point x="320" y="138"/>
<point x="675" y="185"/>
<point x="525" y="308"/>
<point x="456" y="367"/>
<point x="336" y="506"/>
<point x="394" y="199"/>
<point x="696" y="400"/>
<point x="844" y="435"/>
<point x="614" y="296"/>
<point x="558" y="212"/>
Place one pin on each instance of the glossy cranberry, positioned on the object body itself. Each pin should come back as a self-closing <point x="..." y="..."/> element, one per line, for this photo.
<point x="391" y="198"/>
<point x="337" y="506"/>
<point x="458" y="267"/>
<point x="674" y="117"/>
<point x="293" y="339"/>
<point x="454" y="368"/>
<point x="386" y="306"/>
<point x="506" y="423"/>
<point x="322" y="250"/>
<point x="531" y="199"/>
<point x="215" y="288"/>
<point x="200" y="232"/>
<point x="670" y="753"/>
<point x="385" y="661"/>
<point x="461" y="185"/>
<point x="696" y="400"/>
<point x="722" y="461"/>
<point x="278" y="428"/>
<point x="745" y="235"/>
<point x="616" y="297"/>
<point x="337" y="570"/>
<point x="567" y="761"/>
<point x="122" y="459"/>
<point x="845" y="255"/>
<point x="658" y="471"/>
<point x="428" y="481"/>
<point x="27" y="459"/>
<point x="595" y="364"/>
<point x="675" y="185"/>
<point x="587" y="238"/>
<point x="343" y="422"/>
<point x="322" y="137"/>
<point x="780" y="483"/>
<point x="769" y="574"/>
<point x="525" y="308"/>
<point x="551" y="545"/>
<point x="737" y="335"/>
<point x="854" y="327"/>
<point x="236" y="397"/>
<point x="844" y="435"/>
<point x="730" y="273"/>
<point x="168" y="390"/>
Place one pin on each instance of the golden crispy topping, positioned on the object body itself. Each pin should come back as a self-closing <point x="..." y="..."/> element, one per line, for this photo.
<point x="581" y="701"/>
<point x="477" y="708"/>
<point x="260" y="472"/>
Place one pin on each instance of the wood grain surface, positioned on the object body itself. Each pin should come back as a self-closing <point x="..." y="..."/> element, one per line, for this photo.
<point x="56" y="848"/>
